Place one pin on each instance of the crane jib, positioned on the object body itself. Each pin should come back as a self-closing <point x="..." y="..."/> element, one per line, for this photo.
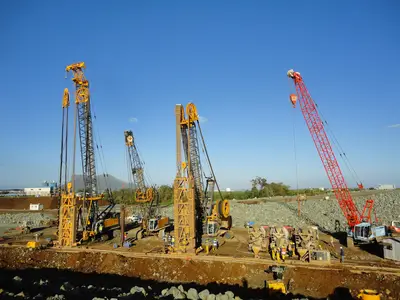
<point x="325" y="151"/>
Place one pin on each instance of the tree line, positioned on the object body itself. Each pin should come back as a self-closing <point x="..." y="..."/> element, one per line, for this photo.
<point x="260" y="188"/>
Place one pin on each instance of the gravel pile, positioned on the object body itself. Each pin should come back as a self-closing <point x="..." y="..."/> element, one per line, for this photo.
<point x="35" y="219"/>
<point x="326" y="212"/>
<point x="322" y="213"/>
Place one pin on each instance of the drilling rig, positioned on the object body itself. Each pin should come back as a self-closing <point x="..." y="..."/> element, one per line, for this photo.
<point x="197" y="216"/>
<point x="359" y="224"/>
<point x="80" y="216"/>
<point x="146" y="195"/>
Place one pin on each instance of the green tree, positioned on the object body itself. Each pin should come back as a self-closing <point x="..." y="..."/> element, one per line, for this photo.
<point x="166" y="193"/>
<point x="261" y="188"/>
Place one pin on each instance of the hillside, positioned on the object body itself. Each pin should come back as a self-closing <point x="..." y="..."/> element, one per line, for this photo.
<point x="113" y="182"/>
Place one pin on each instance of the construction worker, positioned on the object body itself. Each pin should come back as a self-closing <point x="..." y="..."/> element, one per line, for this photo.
<point x="215" y="244"/>
<point x="332" y="244"/>
<point x="255" y="241"/>
<point x="341" y="254"/>
<point x="283" y="253"/>
<point x="290" y="249"/>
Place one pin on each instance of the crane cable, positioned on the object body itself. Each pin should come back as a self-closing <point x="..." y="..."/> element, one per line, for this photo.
<point x="97" y="140"/>
<point x="339" y="148"/>
<point x="208" y="160"/>
<point x="295" y="150"/>
<point x="295" y="153"/>
<point x="336" y="144"/>
<point x="128" y="169"/>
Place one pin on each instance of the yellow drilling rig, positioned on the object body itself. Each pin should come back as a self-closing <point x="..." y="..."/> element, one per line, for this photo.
<point x="197" y="216"/>
<point x="145" y="194"/>
<point x="80" y="217"/>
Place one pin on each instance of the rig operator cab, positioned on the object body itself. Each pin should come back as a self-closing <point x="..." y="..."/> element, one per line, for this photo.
<point x="367" y="233"/>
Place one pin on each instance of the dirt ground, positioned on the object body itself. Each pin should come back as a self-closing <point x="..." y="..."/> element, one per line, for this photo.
<point x="244" y="278"/>
<point x="22" y="203"/>
<point x="231" y="267"/>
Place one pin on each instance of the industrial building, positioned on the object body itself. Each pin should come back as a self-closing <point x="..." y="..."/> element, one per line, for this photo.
<point x="386" y="187"/>
<point x="39" y="192"/>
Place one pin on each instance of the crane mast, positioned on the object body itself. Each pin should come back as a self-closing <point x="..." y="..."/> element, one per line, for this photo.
<point x="184" y="192"/>
<point x="89" y="211"/>
<point x="325" y="151"/>
<point x="80" y="213"/>
<point x="82" y="101"/>
<point x="194" y="209"/>
<point x="143" y="193"/>
<point x="67" y="226"/>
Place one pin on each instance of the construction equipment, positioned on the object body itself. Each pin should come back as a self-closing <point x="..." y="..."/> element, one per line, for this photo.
<point x="394" y="227"/>
<point x="33" y="245"/>
<point x="331" y="165"/>
<point x="196" y="213"/>
<point x="369" y="295"/>
<point x="80" y="218"/>
<point x="145" y="194"/>
<point x="276" y="285"/>
<point x="272" y="239"/>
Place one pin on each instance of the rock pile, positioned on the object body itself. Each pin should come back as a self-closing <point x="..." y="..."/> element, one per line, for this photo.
<point x="326" y="212"/>
<point x="323" y="213"/>
<point x="180" y="293"/>
<point x="67" y="290"/>
<point x="35" y="219"/>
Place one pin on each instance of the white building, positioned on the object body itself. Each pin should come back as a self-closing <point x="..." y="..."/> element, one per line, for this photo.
<point x="39" y="192"/>
<point x="386" y="187"/>
<point x="37" y="206"/>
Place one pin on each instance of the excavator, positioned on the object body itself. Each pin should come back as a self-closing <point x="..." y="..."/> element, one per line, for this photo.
<point x="146" y="195"/>
<point x="80" y="217"/>
<point x="198" y="218"/>
<point x="361" y="227"/>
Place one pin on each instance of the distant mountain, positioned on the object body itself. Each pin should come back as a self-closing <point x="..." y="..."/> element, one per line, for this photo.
<point x="112" y="182"/>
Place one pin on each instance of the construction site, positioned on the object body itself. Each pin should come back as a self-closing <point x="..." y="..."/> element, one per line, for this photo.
<point x="84" y="245"/>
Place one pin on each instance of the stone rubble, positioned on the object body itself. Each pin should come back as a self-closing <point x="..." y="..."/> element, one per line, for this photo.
<point x="35" y="219"/>
<point x="319" y="212"/>
<point x="68" y="290"/>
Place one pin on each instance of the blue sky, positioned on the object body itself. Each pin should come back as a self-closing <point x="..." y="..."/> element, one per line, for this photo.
<point x="228" y="57"/>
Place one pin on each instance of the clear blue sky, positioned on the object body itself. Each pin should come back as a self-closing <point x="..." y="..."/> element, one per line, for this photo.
<point x="229" y="57"/>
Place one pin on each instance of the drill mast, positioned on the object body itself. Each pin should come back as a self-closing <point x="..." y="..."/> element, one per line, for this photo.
<point x="194" y="210"/>
<point x="80" y="213"/>
<point x="144" y="193"/>
<point x="67" y="217"/>
<point x="82" y="101"/>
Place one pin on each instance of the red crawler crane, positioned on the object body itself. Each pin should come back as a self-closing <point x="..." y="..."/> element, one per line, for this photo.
<point x="324" y="148"/>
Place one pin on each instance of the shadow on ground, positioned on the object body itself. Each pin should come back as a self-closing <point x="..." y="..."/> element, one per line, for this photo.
<point x="49" y="282"/>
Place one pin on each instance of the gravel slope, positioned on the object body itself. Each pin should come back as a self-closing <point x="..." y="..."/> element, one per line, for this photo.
<point x="313" y="212"/>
